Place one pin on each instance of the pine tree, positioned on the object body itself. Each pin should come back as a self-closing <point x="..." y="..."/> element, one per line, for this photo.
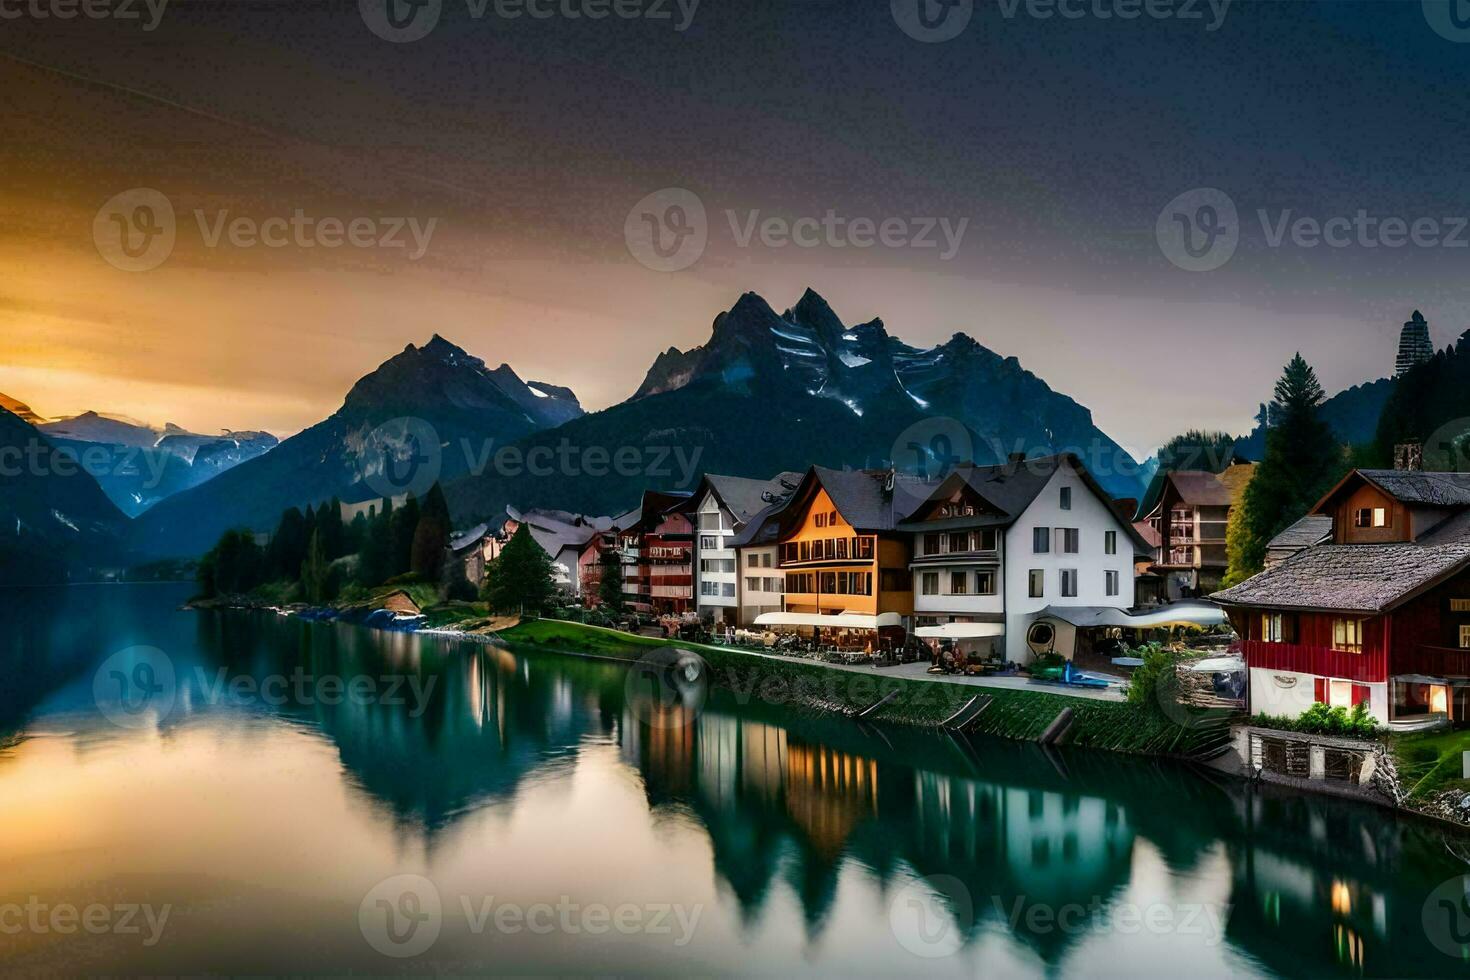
<point x="431" y="536"/>
<point x="1302" y="462"/>
<point x="610" y="586"/>
<point x="519" y="580"/>
<point x="288" y="545"/>
<point x="401" y="528"/>
<point x="316" y="570"/>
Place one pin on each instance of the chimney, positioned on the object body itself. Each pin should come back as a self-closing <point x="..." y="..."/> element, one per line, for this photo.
<point x="1408" y="456"/>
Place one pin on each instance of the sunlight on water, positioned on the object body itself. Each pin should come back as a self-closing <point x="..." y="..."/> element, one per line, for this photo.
<point x="532" y="805"/>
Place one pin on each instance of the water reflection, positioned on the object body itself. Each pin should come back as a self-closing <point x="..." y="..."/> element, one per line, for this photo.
<point x="824" y="812"/>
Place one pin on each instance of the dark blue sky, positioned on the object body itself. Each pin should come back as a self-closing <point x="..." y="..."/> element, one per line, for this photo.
<point x="1057" y="142"/>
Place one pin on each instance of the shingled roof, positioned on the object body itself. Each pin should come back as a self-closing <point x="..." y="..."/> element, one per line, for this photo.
<point x="743" y="497"/>
<point x="1359" y="578"/>
<point x="1310" y="530"/>
<point x="1419" y="487"/>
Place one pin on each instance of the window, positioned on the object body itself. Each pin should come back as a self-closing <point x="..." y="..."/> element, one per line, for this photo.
<point x="1271" y="628"/>
<point x="832" y="518"/>
<point x="766" y="560"/>
<point x="820" y="520"/>
<point x="959" y="542"/>
<point x="863" y="548"/>
<point x="1112" y="582"/>
<point x="985" y="583"/>
<point x="987" y="539"/>
<point x="1038" y="583"/>
<point x="1347" y="634"/>
<point x="959" y="583"/>
<point x="753" y="585"/>
<point x="1066" y="498"/>
<point x="929" y="583"/>
<point x="1069" y="583"/>
<point x="727" y="590"/>
<point x="1465" y="637"/>
<point x="1110" y="543"/>
<point x="1041" y="540"/>
<point x="750" y="560"/>
<point x="1370" y="517"/>
<point x="1071" y="540"/>
<point x="931" y="544"/>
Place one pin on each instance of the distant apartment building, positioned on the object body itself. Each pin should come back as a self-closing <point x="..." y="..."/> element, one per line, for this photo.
<point x="1415" y="347"/>
<point x="1190" y="520"/>
<point x="657" y="553"/>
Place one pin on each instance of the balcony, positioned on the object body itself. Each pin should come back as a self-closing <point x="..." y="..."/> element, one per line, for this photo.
<point x="1434" y="662"/>
<point x="1368" y="667"/>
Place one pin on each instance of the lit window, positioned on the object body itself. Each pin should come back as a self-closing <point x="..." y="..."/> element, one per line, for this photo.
<point x="1271" y="628"/>
<point x="1347" y="635"/>
<point x="1465" y="637"/>
<point x="1370" y="517"/>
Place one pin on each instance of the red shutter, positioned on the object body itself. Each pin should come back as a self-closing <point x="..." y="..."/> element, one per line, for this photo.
<point x="1321" y="690"/>
<point x="1360" y="694"/>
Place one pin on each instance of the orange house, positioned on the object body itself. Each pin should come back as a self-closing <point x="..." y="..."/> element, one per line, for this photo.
<point x="841" y="556"/>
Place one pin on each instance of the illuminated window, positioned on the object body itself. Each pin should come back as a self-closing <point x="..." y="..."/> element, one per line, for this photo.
<point x="1347" y="634"/>
<point x="1273" y="628"/>
<point x="1465" y="637"/>
<point x="1370" y="517"/>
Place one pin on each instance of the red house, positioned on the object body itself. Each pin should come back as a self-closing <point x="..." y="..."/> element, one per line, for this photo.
<point x="1380" y="614"/>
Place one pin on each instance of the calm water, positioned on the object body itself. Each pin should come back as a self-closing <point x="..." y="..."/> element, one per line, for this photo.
<point x="546" y="823"/>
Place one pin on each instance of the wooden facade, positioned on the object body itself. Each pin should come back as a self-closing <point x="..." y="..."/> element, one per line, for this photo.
<point x="830" y="566"/>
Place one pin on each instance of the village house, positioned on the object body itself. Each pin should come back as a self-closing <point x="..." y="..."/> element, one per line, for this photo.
<point x="658" y="552"/>
<point x="843" y="562"/>
<point x="1190" y="518"/>
<point x="724" y="506"/>
<point x="1000" y="550"/>
<point x="600" y="549"/>
<point x="1378" y="615"/>
<point x="563" y="536"/>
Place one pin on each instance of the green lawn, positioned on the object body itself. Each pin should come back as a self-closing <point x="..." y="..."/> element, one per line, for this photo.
<point x="1431" y="762"/>
<point x="1013" y="714"/>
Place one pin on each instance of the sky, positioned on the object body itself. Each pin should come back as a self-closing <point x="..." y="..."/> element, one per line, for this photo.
<point x="1034" y="177"/>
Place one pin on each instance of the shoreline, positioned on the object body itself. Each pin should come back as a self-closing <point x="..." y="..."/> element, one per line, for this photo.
<point x="847" y="691"/>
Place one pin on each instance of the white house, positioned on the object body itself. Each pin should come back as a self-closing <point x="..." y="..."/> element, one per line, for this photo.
<point x="724" y="507"/>
<point x="1003" y="548"/>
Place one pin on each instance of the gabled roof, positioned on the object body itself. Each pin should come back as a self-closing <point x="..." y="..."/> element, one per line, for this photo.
<point x="1358" y="578"/>
<point x="465" y="539"/>
<point x="1311" y="530"/>
<point x="1414" y="487"/>
<point x="743" y="497"/>
<point x="1200" y="489"/>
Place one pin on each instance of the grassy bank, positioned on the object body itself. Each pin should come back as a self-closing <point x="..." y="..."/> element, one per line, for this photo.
<point x="1430" y="762"/>
<point x="1013" y="714"/>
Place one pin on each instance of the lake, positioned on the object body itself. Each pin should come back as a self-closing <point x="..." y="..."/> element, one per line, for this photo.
<point x="230" y="792"/>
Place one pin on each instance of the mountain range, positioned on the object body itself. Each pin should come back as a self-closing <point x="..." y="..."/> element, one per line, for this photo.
<point x="451" y="398"/>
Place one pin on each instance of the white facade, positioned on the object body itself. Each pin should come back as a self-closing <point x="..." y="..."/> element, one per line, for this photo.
<point x="1289" y="693"/>
<point x="762" y="583"/>
<point x="716" y="569"/>
<point x="1099" y="572"/>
